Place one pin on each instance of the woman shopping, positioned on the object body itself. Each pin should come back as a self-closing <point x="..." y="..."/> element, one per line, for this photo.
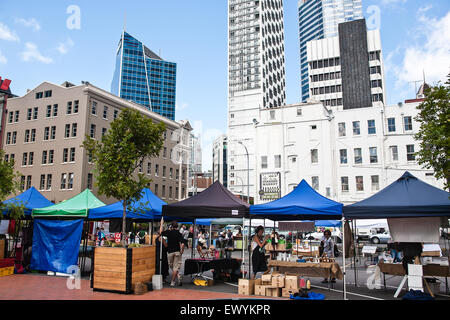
<point x="258" y="251"/>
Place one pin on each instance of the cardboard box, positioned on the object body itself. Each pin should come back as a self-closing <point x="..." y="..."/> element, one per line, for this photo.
<point x="281" y="246"/>
<point x="246" y="287"/>
<point x="286" y="293"/>
<point x="260" y="290"/>
<point x="278" y="281"/>
<point x="269" y="247"/>
<point x="292" y="282"/>
<point x="266" y="279"/>
<point x="273" y="292"/>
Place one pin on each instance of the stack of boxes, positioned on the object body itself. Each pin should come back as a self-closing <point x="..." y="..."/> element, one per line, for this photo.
<point x="270" y="285"/>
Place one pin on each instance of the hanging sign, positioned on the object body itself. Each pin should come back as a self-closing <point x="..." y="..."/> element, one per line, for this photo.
<point x="270" y="186"/>
<point x="117" y="237"/>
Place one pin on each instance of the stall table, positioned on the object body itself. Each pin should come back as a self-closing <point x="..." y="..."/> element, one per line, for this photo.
<point x="274" y="252"/>
<point x="199" y="266"/>
<point x="315" y="270"/>
<point x="429" y="270"/>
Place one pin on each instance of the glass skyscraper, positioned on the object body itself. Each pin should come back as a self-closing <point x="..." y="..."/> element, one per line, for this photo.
<point x="143" y="77"/>
<point x="319" y="19"/>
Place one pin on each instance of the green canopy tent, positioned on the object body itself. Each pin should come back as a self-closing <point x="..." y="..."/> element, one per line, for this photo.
<point x="76" y="207"/>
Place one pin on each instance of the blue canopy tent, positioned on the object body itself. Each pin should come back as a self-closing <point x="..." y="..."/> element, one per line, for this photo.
<point x="148" y="208"/>
<point x="328" y="223"/>
<point x="408" y="197"/>
<point x="30" y="199"/>
<point x="303" y="203"/>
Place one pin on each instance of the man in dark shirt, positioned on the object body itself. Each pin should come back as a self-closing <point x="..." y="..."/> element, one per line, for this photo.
<point x="175" y="248"/>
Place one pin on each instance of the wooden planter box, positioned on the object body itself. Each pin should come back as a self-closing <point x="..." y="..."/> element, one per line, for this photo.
<point x="119" y="269"/>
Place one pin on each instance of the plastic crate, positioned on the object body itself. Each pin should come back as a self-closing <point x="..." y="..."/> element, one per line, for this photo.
<point x="6" y="271"/>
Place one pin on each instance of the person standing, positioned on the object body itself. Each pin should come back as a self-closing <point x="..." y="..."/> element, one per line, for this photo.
<point x="175" y="249"/>
<point x="328" y="249"/>
<point x="258" y="251"/>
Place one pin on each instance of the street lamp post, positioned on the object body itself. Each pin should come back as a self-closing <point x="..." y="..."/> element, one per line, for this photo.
<point x="243" y="219"/>
<point x="248" y="172"/>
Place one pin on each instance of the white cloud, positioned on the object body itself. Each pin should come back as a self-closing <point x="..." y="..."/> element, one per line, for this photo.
<point x="3" y="59"/>
<point x="63" y="47"/>
<point x="181" y="106"/>
<point x="432" y="54"/>
<point x="32" y="53"/>
<point x="7" y="34"/>
<point x="391" y="2"/>
<point x="30" y="23"/>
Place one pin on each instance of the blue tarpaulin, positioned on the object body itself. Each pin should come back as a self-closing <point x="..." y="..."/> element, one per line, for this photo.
<point x="30" y="199"/>
<point x="303" y="203"/>
<point x="56" y="244"/>
<point x="408" y="197"/>
<point x="149" y="207"/>
<point x="328" y="223"/>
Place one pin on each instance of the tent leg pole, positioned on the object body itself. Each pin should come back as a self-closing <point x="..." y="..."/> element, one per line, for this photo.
<point x="354" y="257"/>
<point x="243" y="248"/>
<point x="343" y="259"/>
<point x="249" y="250"/>
<point x="151" y="233"/>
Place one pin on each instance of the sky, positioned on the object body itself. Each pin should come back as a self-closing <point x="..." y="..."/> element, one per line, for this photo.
<point x="76" y="41"/>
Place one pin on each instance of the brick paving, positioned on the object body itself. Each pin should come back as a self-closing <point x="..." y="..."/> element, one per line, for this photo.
<point x="40" y="287"/>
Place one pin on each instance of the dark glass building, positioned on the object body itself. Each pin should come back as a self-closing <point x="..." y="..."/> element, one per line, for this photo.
<point x="145" y="78"/>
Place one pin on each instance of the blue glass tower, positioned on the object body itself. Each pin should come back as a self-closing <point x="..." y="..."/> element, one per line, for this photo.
<point x="145" y="78"/>
<point x="319" y="19"/>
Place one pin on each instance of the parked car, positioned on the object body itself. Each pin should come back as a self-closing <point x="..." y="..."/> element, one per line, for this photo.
<point x="377" y="238"/>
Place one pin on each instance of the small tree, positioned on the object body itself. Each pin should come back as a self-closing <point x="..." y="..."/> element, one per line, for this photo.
<point x="131" y="139"/>
<point x="9" y="184"/>
<point x="434" y="133"/>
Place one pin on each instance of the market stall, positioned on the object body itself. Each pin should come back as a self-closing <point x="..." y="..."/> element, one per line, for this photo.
<point x="303" y="203"/>
<point x="215" y="202"/>
<point x="58" y="231"/>
<point x="414" y="210"/>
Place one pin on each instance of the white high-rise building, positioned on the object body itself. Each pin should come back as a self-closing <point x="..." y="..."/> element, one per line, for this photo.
<point x="256" y="81"/>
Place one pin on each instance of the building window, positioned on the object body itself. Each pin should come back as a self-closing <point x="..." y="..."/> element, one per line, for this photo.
<point x="16" y="116"/>
<point x="391" y="125"/>
<point x="69" y="107"/>
<point x="315" y="183"/>
<point x="375" y="183"/>
<point x="42" y="183"/>
<point x="104" y="132"/>
<point x="164" y="172"/>
<point x="76" y="104"/>
<point x="410" y="154"/>
<point x="55" y="110"/>
<point x="344" y="184"/>
<point x="27" y="136"/>
<point x="373" y="155"/>
<point x="46" y="133"/>
<point x="105" y="112"/>
<point x="314" y="156"/>
<point x="93" y="129"/>
<point x="163" y="193"/>
<point x="53" y="133"/>
<point x="356" y="128"/>
<point x="29" y="114"/>
<point x="65" y="155"/>
<point x="44" y="156"/>
<point x="33" y="135"/>
<point x="22" y="183"/>
<point x="28" y="182"/>
<point x="343" y="156"/>
<point x="72" y="154"/>
<point x="11" y="117"/>
<point x="39" y="95"/>
<point x="171" y="173"/>
<point x="264" y="162"/>
<point x="371" y="127"/>
<point x="51" y="155"/>
<point x="358" y="155"/>
<point x="67" y="131"/>
<point x="149" y="168"/>
<point x="70" y="181"/>
<point x="278" y="161"/>
<point x="359" y="183"/>
<point x="170" y="192"/>
<point x="14" y="137"/>
<point x="341" y="127"/>
<point x="48" y="114"/>
<point x="94" y="108"/>
<point x="49" y="182"/>
<point x="24" y="159"/>
<point x="89" y="181"/>
<point x="394" y="153"/>
<point x="408" y="123"/>
<point x="63" y="181"/>
<point x="31" y="158"/>
<point x="116" y="113"/>
<point x="156" y="189"/>
<point x="48" y="93"/>
<point x="74" y="130"/>
<point x="157" y="170"/>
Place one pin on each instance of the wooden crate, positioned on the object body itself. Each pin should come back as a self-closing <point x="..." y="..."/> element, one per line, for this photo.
<point x="120" y="269"/>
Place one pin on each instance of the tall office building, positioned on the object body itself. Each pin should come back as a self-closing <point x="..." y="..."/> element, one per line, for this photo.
<point x="256" y="80"/>
<point x="319" y="19"/>
<point x="143" y="77"/>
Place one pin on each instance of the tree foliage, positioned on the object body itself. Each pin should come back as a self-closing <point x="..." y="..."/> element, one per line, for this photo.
<point x="131" y="139"/>
<point x="9" y="184"/>
<point x="434" y="133"/>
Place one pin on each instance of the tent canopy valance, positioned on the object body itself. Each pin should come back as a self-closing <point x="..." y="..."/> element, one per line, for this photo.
<point x="214" y="202"/>
<point x="408" y="197"/>
<point x="148" y="208"/>
<point x="30" y="199"/>
<point x="76" y="207"/>
<point x="303" y="203"/>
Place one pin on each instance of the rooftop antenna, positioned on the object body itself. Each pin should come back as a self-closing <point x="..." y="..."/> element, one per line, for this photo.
<point x="415" y="85"/>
